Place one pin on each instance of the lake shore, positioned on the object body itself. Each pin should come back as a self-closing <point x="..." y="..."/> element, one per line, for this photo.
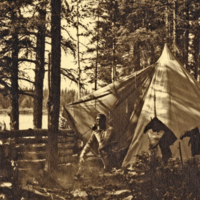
<point x="22" y="111"/>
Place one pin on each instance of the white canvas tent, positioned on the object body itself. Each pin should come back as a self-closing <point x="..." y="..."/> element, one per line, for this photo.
<point x="164" y="90"/>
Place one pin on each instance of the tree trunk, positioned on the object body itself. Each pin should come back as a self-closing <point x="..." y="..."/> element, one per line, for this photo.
<point x="52" y="150"/>
<point x="97" y="52"/>
<point x="14" y="115"/>
<point x="186" y="49"/>
<point x="196" y="55"/>
<point x="78" y="52"/>
<point x="136" y="55"/>
<point x="175" y="28"/>
<point x="113" y="75"/>
<point x="166" y="23"/>
<point x="39" y="70"/>
<point x="152" y="58"/>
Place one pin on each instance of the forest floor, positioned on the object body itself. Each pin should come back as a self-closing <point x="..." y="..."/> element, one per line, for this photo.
<point x="145" y="181"/>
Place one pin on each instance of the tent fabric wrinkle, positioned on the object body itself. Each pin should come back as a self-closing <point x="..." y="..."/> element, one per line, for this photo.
<point x="164" y="92"/>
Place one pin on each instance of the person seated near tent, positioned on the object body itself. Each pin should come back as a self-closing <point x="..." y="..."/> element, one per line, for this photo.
<point x="101" y="136"/>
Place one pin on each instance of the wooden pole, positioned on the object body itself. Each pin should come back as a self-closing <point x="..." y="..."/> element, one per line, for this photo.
<point x="180" y="154"/>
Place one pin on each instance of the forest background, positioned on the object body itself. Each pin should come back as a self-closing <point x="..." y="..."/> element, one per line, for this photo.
<point x="107" y="39"/>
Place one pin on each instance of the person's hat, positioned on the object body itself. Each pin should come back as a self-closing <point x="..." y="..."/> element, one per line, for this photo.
<point x="100" y="116"/>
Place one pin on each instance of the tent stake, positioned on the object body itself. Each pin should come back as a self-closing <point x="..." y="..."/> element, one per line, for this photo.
<point x="180" y="154"/>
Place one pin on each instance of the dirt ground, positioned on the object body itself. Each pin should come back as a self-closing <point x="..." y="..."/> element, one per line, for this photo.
<point x="146" y="180"/>
<point x="92" y="183"/>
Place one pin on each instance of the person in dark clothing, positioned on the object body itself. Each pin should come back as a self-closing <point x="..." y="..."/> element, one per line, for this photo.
<point x="155" y="140"/>
<point x="160" y="135"/>
<point x="102" y="137"/>
<point x="194" y="140"/>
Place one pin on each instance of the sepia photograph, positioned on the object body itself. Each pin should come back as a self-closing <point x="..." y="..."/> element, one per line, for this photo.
<point x="99" y="99"/>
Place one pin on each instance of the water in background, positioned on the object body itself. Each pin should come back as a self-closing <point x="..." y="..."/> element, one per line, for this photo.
<point x="25" y="121"/>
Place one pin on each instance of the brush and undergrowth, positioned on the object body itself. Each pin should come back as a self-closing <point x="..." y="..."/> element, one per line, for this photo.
<point x="147" y="179"/>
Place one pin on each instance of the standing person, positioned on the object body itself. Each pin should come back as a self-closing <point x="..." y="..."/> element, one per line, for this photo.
<point x="155" y="140"/>
<point x="102" y="137"/>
